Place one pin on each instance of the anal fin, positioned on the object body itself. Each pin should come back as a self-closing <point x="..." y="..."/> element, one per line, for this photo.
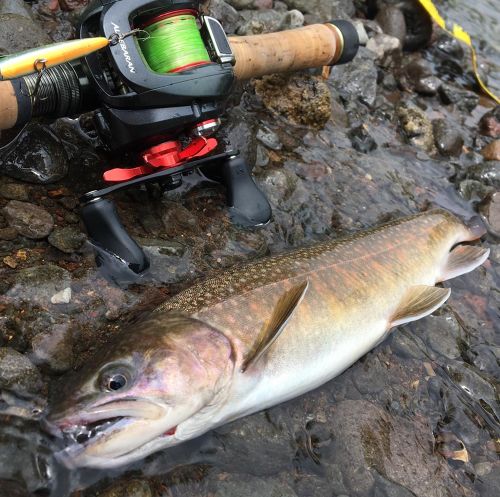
<point x="418" y="302"/>
<point x="463" y="259"/>
<point x="272" y="329"/>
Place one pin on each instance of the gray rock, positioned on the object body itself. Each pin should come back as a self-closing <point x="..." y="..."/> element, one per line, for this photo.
<point x="471" y="189"/>
<point x="269" y="138"/>
<point x="392" y="21"/>
<point x="36" y="156"/>
<point x="465" y="100"/>
<point x="324" y="9"/>
<point x="448" y="139"/>
<point x="54" y="349"/>
<point x="372" y="444"/>
<point x="31" y="221"/>
<point x="386" y="48"/>
<point x="14" y="7"/>
<point x="428" y="86"/>
<point x="251" y="486"/>
<point x="487" y="172"/>
<point x="67" y="239"/>
<point x="39" y="284"/>
<point x="490" y="210"/>
<point x="293" y="19"/>
<point x="225" y="13"/>
<point x="260" y="21"/>
<point x="357" y="80"/>
<point x="489" y="124"/>
<point x="442" y="334"/>
<point x="18" y="374"/>
<point x="489" y="483"/>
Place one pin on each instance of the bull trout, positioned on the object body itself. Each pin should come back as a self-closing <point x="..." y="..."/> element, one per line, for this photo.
<point x="257" y="335"/>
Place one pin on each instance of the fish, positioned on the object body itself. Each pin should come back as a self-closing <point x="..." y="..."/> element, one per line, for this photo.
<point x="31" y="61"/>
<point x="256" y="335"/>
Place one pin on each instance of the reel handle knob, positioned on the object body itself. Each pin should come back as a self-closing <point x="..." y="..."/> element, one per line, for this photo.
<point x="114" y="246"/>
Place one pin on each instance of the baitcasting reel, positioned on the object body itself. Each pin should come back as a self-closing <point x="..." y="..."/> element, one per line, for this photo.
<point x="158" y="90"/>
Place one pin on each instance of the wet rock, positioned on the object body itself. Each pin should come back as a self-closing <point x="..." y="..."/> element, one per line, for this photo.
<point x="62" y="297"/>
<point x="262" y="21"/>
<point x="386" y="48"/>
<point x="14" y="191"/>
<point x="428" y="86"/>
<point x="392" y="21"/>
<point x="489" y="124"/>
<point x="465" y="100"/>
<point x="36" y="156"/>
<point x="18" y="31"/>
<point x="293" y="19"/>
<point x="11" y="488"/>
<point x="361" y="140"/>
<point x="492" y="151"/>
<point x="67" y="239"/>
<point x="374" y="444"/>
<point x="416" y="126"/>
<point x="300" y="98"/>
<point x="70" y="5"/>
<point x="489" y="483"/>
<point x="53" y="349"/>
<point x="8" y="234"/>
<point x="18" y="374"/>
<point x="449" y="141"/>
<point x="442" y="334"/>
<point x="39" y="284"/>
<point x="487" y="173"/>
<point x="240" y="130"/>
<point x="324" y="9"/>
<point x="31" y="221"/>
<point x="417" y="75"/>
<point x="357" y="80"/>
<point x="130" y="488"/>
<point x="471" y="189"/>
<point x="250" y="486"/>
<point x="269" y="138"/>
<point x="225" y="13"/>
<point x="490" y="210"/>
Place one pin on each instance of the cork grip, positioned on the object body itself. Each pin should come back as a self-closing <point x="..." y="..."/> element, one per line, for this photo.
<point x="8" y="105"/>
<point x="311" y="46"/>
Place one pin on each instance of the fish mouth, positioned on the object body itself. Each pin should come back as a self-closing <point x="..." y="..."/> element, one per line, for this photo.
<point x="109" y="431"/>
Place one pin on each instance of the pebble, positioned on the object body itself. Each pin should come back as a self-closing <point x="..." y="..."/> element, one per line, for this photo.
<point x="225" y="13"/>
<point x="292" y="20"/>
<point x="492" y="151"/>
<point x="53" y="349"/>
<point x="489" y="124"/>
<point x="387" y="49"/>
<point x="416" y="126"/>
<point x="269" y="138"/>
<point x="130" y="488"/>
<point x="62" y="297"/>
<point x="8" y="234"/>
<point x="18" y="373"/>
<point x="487" y="172"/>
<point x="29" y="220"/>
<point x="490" y="210"/>
<point x="67" y="239"/>
<point x="465" y="100"/>
<point x="449" y="141"/>
<point x="392" y="21"/>
<point x="14" y="191"/>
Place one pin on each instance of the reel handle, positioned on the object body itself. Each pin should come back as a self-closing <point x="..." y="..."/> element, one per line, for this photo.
<point x="312" y="46"/>
<point x="110" y="239"/>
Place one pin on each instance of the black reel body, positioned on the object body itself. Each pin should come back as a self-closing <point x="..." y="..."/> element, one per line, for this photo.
<point x="140" y="108"/>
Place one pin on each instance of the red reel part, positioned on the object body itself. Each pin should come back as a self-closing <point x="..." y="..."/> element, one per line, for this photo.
<point x="163" y="156"/>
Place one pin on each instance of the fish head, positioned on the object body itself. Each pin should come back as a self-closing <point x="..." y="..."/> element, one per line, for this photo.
<point x="134" y="396"/>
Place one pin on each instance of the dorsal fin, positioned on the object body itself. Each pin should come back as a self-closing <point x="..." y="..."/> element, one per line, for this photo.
<point x="272" y="329"/>
<point x="418" y="302"/>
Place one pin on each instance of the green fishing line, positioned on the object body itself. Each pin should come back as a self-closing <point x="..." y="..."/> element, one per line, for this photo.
<point x="173" y="43"/>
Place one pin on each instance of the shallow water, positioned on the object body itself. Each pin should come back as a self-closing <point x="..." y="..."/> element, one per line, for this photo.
<point x="419" y="415"/>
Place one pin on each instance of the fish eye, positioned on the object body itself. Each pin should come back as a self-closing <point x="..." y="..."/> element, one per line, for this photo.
<point x="116" y="382"/>
<point x="113" y="381"/>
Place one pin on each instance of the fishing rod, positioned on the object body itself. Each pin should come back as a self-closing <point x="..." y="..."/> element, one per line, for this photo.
<point x="157" y="74"/>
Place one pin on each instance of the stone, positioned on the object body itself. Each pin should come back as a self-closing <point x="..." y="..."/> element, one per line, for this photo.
<point x="14" y="191"/>
<point x="448" y="139"/>
<point x="36" y="155"/>
<point x="251" y="486"/>
<point x="269" y="138"/>
<point x="225" y="13"/>
<point x="293" y="19"/>
<point x="361" y="140"/>
<point x="428" y="86"/>
<point x="492" y="151"/>
<point x="53" y="349"/>
<point x="358" y="79"/>
<point x="488" y="173"/>
<point x="416" y="126"/>
<point x="128" y="488"/>
<point x="39" y="284"/>
<point x="18" y="373"/>
<point x="300" y="98"/>
<point x="442" y="334"/>
<point x="62" y="297"/>
<point x="374" y="444"/>
<point x="260" y="21"/>
<point x="8" y="234"/>
<point x="324" y="9"/>
<point x="465" y="100"/>
<point x="387" y="49"/>
<point x="29" y="220"/>
<point x="392" y="21"/>
<point x="490" y="210"/>
<point x="489" y="124"/>
<point x="67" y="239"/>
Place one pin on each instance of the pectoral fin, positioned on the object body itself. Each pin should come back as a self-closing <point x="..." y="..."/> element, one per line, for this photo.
<point x="463" y="259"/>
<point x="419" y="301"/>
<point x="272" y="329"/>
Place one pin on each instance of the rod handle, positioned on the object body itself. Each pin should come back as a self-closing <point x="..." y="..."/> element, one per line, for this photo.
<point x="317" y="45"/>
